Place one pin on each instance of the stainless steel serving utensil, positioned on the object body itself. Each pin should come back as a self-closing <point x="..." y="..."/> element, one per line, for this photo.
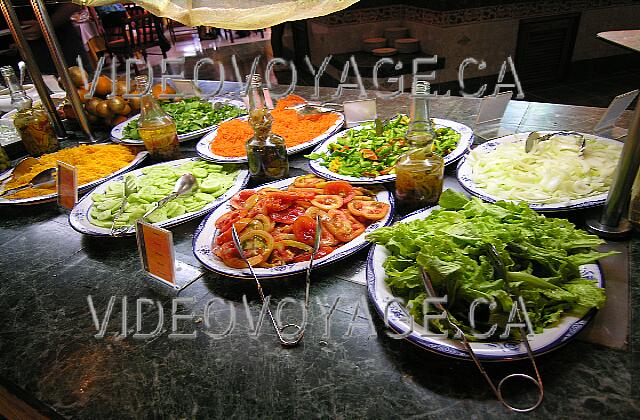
<point x="313" y="108"/>
<point x="283" y="342"/>
<point x="43" y="179"/>
<point x="184" y="184"/>
<point x="536" y="137"/>
<point x="501" y="273"/>
<point x="127" y="190"/>
<point x="23" y="167"/>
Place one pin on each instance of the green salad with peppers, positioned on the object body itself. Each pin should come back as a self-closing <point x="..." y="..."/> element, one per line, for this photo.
<point x="190" y="115"/>
<point x="373" y="151"/>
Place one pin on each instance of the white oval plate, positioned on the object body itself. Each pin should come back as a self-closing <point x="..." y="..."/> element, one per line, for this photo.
<point x="552" y="338"/>
<point x="204" y="145"/>
<point x="206" y="233"/>
<point x="79" y="218"/>
<point x="465" y="173"/>
<point x="81" y="189"/>
<point x="117" y="132"/>
<point x="466" y="139"/>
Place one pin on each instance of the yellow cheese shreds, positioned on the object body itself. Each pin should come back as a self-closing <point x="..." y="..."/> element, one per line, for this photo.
<point x="93" y="162"/>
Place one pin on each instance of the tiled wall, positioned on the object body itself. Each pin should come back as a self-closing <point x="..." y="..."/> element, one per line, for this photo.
<point x="488" y="32"/>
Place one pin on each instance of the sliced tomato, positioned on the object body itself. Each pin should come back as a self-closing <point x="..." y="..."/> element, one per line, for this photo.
<point x="312" y="212"/>
<point x="227" y="236"/>
<point x="327" y="239"/>
<point x="341" y="188"/>
<point x="307" y="181"/>
<point x="369" y="154"/>
<point x="304" y="228"/>
<point x="322" y="251"/>
<point x="371" y="210"/>
<point x="225" y="221"/>
<point x="289" y="215"/>
<point x="240" y="198"/>
<point x="278" y="200"/>
<point x="230" y="256"/>
<point x="342" y="226"/>
<point x="327" y="202"/>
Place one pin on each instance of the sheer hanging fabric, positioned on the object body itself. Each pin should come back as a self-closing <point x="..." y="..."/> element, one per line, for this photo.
<point x="235" y="14"/>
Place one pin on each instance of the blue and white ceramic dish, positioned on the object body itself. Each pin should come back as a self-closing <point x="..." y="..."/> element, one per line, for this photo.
<point x="206" y="233"/>
<point x="466" y="139"/>
<point x="383" y="300"/>
<point x="79" y="218"/>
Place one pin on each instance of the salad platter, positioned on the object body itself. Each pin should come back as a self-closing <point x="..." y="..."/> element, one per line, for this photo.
<point x="554" y="176"/>
<point x="194" y="118"/>
<point x="558" y="310"/>
<point x="95" y="213"/>
<point x="46" y="198"/>
<point x="282" y="216"/>
<point x="203" y="148"/>
<point x="361" y="156"/>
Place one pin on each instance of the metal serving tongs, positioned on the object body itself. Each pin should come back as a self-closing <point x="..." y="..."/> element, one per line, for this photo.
<point x="500" y="271"/>
<point x="279" y="330"/>
<point x="315" y="108"/>
<point x="536" y="137"/>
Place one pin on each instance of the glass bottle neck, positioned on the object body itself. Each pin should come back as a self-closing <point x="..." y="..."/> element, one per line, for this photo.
<point x="19" y="97"/>
<point x="420" y="132"/>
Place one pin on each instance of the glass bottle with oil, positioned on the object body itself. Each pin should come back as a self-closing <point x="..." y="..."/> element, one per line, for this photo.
<point x="31" y="122"/>
<point x="156" y="128"/>
<point x="266" y="151"/>
<point x="419" y="172"/>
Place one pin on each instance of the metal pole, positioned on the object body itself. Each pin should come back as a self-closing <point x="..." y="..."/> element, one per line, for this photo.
<point x="27" y="55"/>
<point x="611" y="223"/>
<point x="42" y="16"/>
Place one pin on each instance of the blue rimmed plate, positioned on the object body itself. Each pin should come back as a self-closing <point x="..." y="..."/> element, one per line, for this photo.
<point x="397" y="319"/>
<point x="206" y="233"/>
<point x="137" y="160"/>
<point x="466" y="139"/>
<point x="203" y="148"/>
<point x="466" y="178"/>
<point x="117" y="132"/>
<point x="80" y="217"/>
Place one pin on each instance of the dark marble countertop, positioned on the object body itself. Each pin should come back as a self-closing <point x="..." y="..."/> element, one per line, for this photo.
<point x="48" y="348"/>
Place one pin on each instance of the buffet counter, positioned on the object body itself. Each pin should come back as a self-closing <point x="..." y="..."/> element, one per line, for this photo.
<point x="348" y="364"/>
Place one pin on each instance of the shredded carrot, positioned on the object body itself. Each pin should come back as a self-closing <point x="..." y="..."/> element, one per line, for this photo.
<point x="92" y="161"/>
<point x="295" y="129"/>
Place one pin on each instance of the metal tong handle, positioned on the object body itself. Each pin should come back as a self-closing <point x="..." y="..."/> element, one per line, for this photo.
<point x="531" y="142"/>
<point x="279" y="330"/>
<point x="497" y="391"/>
<point x="15" y="190"/>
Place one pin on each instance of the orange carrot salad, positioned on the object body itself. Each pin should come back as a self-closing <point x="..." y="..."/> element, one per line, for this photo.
<point x="294" y="128"/>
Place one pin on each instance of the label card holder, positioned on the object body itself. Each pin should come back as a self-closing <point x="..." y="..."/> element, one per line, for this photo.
<point x="186" y="87"/>
<point x="67" y="185"/>
<point x="492" y="108"/>
<point x="155" y="246"/>
<point x="357" y="112"/>
<point x="614" y="111"/>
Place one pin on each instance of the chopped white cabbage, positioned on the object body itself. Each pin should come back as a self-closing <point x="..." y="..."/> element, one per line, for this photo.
<point x="553" y="172"/>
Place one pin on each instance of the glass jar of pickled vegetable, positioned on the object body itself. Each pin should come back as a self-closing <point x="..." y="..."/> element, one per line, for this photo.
<point x="266" y="151"/>
<point x="5" y="162"/>
<point x="419" y="172"/>
<point x="156" y="128"/>
<point x="32" y="123"/>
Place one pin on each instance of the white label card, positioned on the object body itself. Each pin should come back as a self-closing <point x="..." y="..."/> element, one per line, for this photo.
<point x="360" y="111"/>
<point x="492" y="108"/>
<point x="617" y="106"/>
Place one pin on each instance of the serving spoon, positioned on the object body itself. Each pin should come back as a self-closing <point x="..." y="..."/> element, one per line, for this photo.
<point x="43" y="179"/>
<point x="313" y="108"/>
<point x="184" y="185"/>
